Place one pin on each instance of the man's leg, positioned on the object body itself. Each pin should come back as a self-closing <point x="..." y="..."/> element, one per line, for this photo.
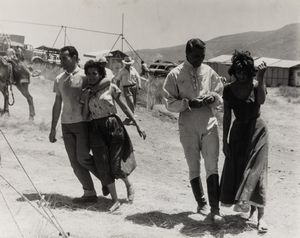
<point x="129" y="98"/>
<point x="210" y="153"/>
<point x="83" y="148"/>
<point x="191" y="149"/>
<point x="81" y="173"/>
<point x="134" y="91"/>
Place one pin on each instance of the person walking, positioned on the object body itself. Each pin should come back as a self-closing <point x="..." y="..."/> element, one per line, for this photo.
<point x="244" y="177"/>
<point x="129" y="80"/>
<point x="67" y="87"/>
<point x="110" y="142"/>
<point x="144" y="70"/>
<point x="109" y="73"/>
<point x="194" y="90"/>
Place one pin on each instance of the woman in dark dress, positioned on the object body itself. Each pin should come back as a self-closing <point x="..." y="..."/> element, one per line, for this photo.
<point x="110" y="143"/>
<point x="244" y="177"/>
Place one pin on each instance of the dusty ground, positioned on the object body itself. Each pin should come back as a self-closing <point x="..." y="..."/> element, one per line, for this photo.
<point x="164" y="206"/>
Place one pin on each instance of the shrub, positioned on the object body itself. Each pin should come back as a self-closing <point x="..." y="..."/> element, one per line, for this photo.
<point x="151" y="92"/>
<point x="289" y="92"/>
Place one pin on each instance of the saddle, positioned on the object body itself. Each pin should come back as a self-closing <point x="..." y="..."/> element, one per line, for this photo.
<point x="18" y="72"/>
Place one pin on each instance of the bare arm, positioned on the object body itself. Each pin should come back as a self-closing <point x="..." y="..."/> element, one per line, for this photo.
<point x="226" y="121"/>
<point x="84" y="100"/>
<point x="226" y="127"/>
<point x="129" y="114"/>
<point x="139" y="83"/>
<point x="55" y="116"/>
<point x="261" y="87"/>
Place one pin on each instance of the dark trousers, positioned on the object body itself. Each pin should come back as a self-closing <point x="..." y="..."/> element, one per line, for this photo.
<point x="76" y="142"/>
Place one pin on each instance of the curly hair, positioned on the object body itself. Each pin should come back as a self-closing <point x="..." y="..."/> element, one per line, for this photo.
<point x="97" y="65"/>
<point x="242" y="60"/>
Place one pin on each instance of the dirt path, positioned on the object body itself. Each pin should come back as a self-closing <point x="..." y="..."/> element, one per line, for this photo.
<point x="164" y="205"/>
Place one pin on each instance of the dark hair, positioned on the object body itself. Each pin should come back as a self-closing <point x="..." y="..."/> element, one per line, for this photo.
<point x="142" y="62"/>
<point x="71" y="49"/>
<point x="95" y="64"/>
<point x="194" y="43"/>
<point x="242" y="60"/>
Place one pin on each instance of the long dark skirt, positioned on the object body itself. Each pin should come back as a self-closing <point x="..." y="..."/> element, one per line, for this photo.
<point x="244" y="176"/>
<point x="112" y="149"/>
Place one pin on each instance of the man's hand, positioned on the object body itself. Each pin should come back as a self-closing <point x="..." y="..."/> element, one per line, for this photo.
<point x="52" y="136"/>
<point x="196" y="103"/>
<point x="208" y="99"/>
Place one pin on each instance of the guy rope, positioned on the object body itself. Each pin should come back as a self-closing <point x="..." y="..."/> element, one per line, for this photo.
<point x="48" y="215"/>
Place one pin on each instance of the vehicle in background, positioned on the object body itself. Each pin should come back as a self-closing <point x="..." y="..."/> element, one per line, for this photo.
<point x="161" y="68"/>
<point x="39" y="55"/>
<point x="45" y="55"/>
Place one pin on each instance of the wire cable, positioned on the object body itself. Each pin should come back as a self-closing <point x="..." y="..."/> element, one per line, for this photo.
<point x="41" y="198"/>
<point x="114" y="44"/>
<point x="57" y="36"/>
<point x="132" y="49"/>
<point x="12" y="215"/>
<point x="52" y="25"/>
<point x="29" y="202"/>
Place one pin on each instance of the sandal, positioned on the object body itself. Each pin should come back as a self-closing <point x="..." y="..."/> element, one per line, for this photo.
<point x="114" y="207"/>
<point x="262" y="227"/>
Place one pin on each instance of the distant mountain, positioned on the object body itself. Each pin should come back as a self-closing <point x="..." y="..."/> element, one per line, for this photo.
<point x="283" y="43"/>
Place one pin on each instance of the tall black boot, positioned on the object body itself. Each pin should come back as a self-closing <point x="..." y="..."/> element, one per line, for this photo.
<point x="199" y="195"/>
<point x="213" y="190"/>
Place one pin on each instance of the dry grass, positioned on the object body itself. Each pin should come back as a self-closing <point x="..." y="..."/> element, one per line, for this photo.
<point x="292" y="94"/>
<point x="152" y="92"/>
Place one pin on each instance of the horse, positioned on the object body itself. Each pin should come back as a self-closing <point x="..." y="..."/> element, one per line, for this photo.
<point x="21" y="78"/>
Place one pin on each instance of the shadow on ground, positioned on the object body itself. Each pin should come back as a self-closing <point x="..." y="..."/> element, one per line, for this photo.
<point x="55" y="200"/>
<point x="234" y="224"/>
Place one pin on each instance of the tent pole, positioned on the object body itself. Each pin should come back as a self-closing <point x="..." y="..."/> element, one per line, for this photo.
<point x="122" y="31"/>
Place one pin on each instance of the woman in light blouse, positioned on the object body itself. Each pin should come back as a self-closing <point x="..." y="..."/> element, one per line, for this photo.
<point x="109" y="140"/>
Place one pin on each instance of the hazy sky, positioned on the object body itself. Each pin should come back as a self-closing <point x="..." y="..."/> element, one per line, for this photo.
<point x="148" y="23"/>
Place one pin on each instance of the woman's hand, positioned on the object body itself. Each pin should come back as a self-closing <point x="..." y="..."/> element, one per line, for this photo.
<point x="261" y="70"/>
<point x="141" y="132"/>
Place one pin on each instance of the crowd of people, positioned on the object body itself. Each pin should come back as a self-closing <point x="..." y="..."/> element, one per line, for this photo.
<point x="96" y="139"/>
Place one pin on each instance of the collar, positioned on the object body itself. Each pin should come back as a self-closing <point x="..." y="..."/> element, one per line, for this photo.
<point x="190" y="67"/>
<point x="75" y="71"/>
<point x="128" y="69"/>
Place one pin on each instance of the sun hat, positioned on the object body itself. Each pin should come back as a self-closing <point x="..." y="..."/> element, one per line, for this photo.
<point x="102" y="59"/>
<point x="128" y="60"/>
<point x="10" y="52"/>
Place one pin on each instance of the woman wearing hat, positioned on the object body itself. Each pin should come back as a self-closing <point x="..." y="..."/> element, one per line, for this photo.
<point x="111" y="146"/>
<point x="129" y="79"/>
<point x="244" y="177"/>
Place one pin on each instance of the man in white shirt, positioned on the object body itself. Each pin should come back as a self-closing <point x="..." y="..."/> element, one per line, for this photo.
<point x="194" y="90"/>
<point x="129" y="79"/>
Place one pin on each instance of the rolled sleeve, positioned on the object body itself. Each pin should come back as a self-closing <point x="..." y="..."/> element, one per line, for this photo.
<point x="173" y="102"/>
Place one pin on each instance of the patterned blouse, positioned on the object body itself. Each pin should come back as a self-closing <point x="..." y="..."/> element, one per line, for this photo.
<point x="102" y="104"/>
